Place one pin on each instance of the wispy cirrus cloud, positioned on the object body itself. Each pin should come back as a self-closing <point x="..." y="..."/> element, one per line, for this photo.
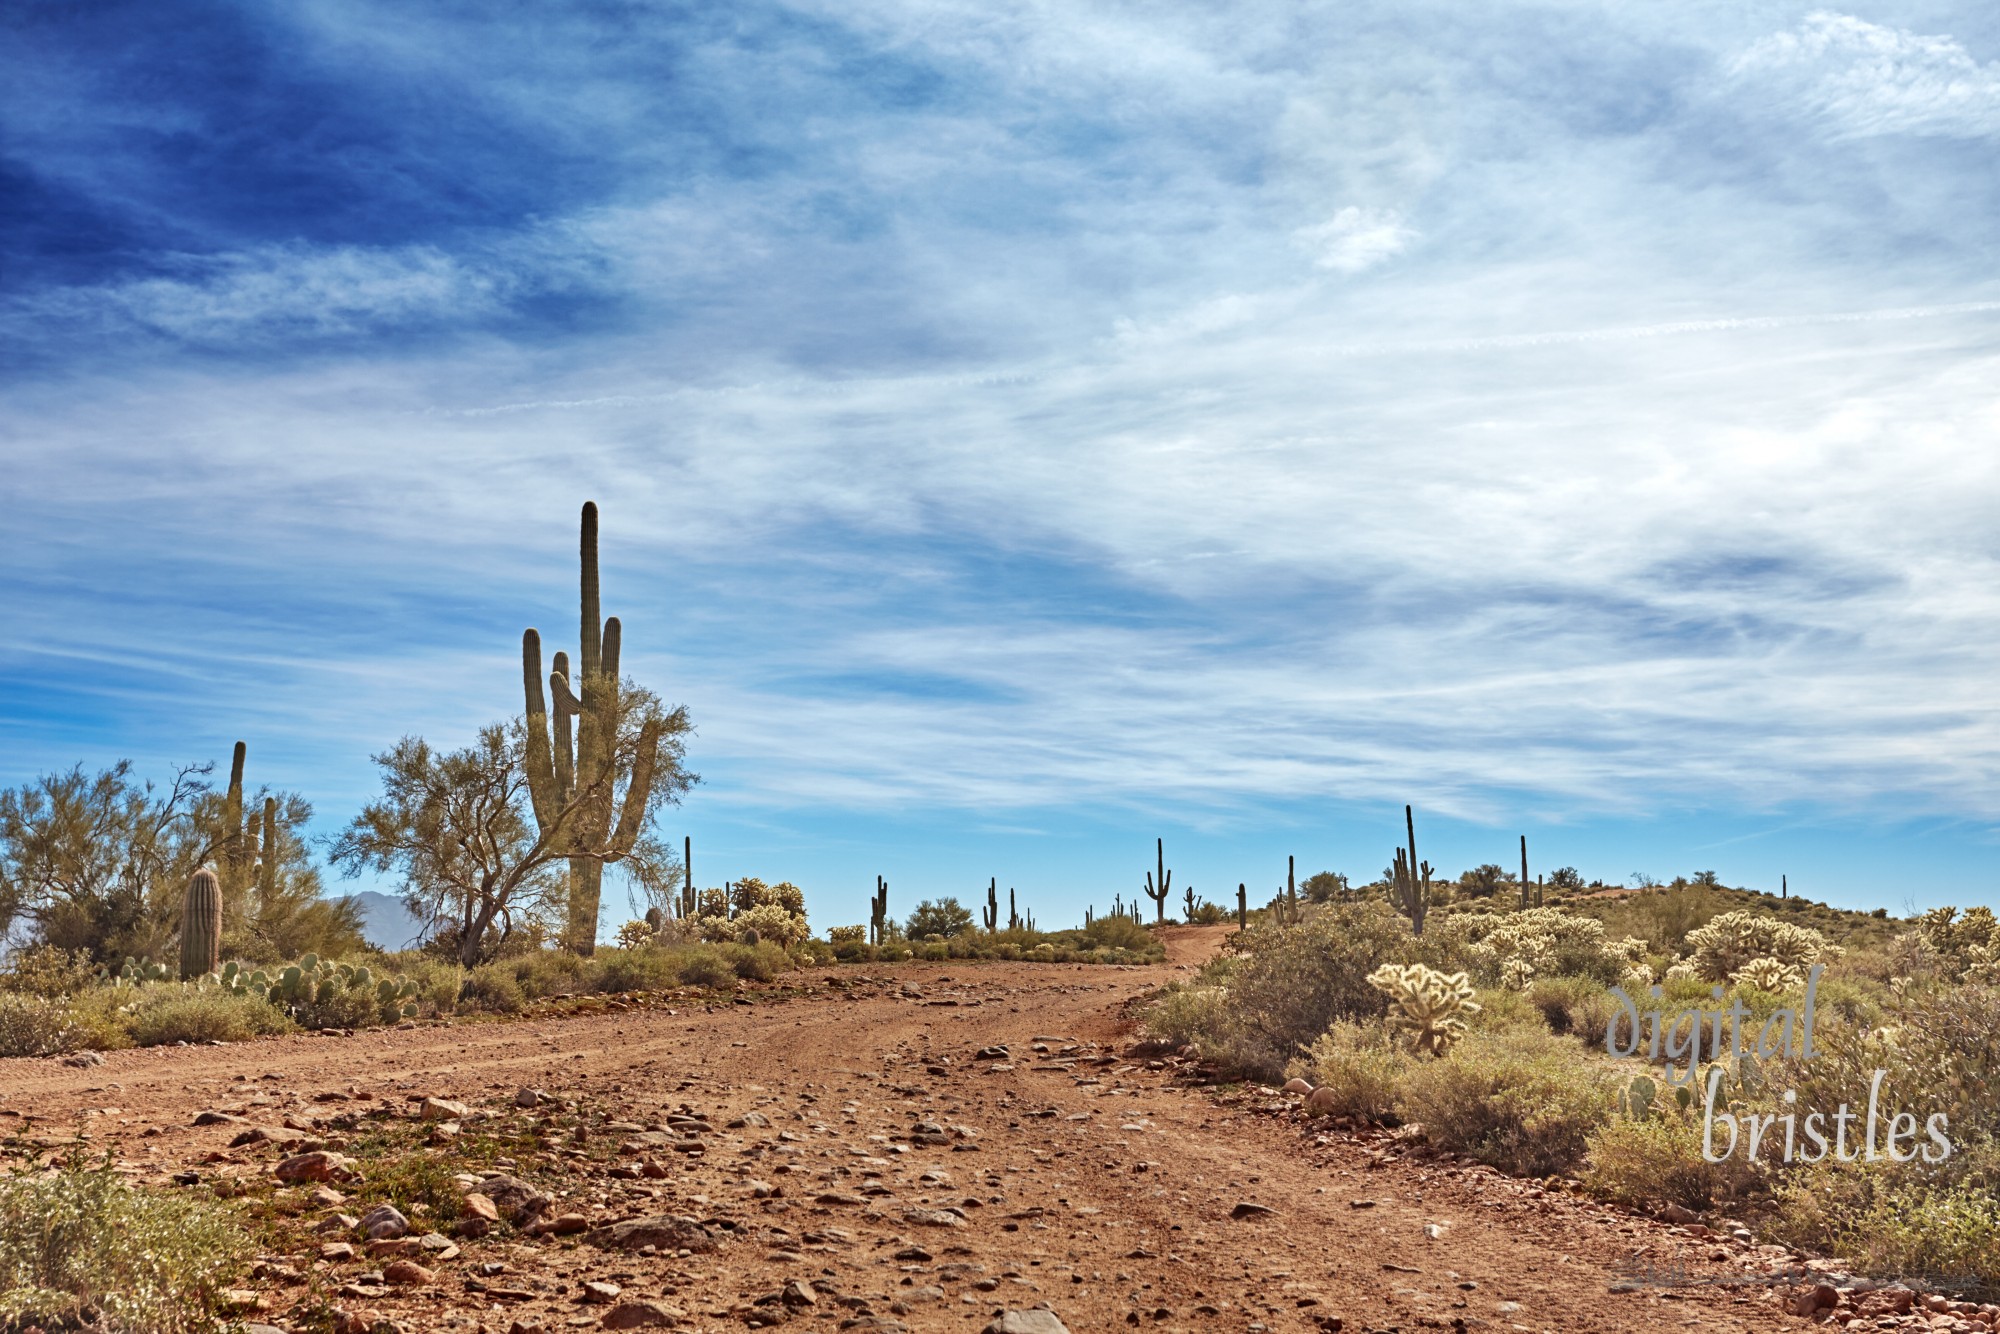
<point x="1078" y="406"/>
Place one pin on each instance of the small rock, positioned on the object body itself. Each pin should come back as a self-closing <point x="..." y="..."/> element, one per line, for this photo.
<point x="515" y="1198"/>
<point x="562" y="1225"/>
<point x="316" y="1166"/>
<point x="478" y="1205"/>
<point x="637" y="1315"/>
<point x="599" y="1293"/>
<point x="1035" y="1320"/>
<point x="336" y="1252"/>
<point x="1678" y="1214"/>
<point x="531" y="1098"/>
<point x="441" y="1109"/>
<point x="1298" y="1086"/>
<point x="799" y="1293"/>
<point x="406" y="1274"/>
<point x="666" y="1232"/>
<point x="385" y="1222"/>
<point x="1247" y="1209"/>
<point x="84" y="1059"/>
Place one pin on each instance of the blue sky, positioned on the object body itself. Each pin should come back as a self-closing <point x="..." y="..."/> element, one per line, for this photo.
<point x="1023" y="432"/>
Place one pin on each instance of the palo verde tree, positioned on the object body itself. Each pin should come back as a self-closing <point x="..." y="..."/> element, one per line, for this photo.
<point x="101" y="863"/>
<point x="460" y="829"/>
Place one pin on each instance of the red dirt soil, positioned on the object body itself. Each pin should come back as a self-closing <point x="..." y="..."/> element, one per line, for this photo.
<point x="1104" y="1190"/>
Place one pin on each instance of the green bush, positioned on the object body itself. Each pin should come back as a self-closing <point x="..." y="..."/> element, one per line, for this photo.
<point x="1580" y="1007"/>
<point x="708" y="967"/>
<point x="1890" y="1224"/>
<point x="1358" y="1067"/>
<point x="546" y="973"/>
<point x="1293" y="982"/>
<point x="45" y="970"/>
<point x="495" y="987"/>
<point x="644" y="969"/>
<point x="185" y="1014"/>
<point x="1190" y="1013"/>
<point x="80" y="1238"/>
<point x="1114" y="933"/>
<point x="1659" y="1161"/>
<point x="1524" y="1103"/>
<point x="32" y="1025"/>
<point x="757" y="963"/>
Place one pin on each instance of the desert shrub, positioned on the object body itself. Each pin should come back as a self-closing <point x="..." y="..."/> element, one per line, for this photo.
<point x="1360" y="1068"/>
<point x="495" y="987"/>
<point x="547" y="973"/>
<point x="1293" y="982"/>
<point x="1117" y="932"/>
<point x="80" y="1238"/>
<point x="1580" y="1007"/>
<point x="344" y="1007"/>
<point x="45" y="970"/>
<point x="1890" y="1224"/>
<point x="1190" y="1013"/>
<point x="187" y="1014"/>
<point x="853" y="951"/>
<point x="707" y="966"/>
<point x="1524" y="1103"/>
<point x="1502" y="1010"/>
<point x="643" y="969"/>
<point x="1659" y="1161"/>
<point x="757" y="963"/>
<point x="1206" y="914"/>
<point x="32" y="1025"/>
<point x="438" y="982"/>
<point x="933" y="950"/>
<point x="101" y="1019"/>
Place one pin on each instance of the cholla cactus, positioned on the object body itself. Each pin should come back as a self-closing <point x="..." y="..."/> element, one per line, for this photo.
<point x="1632" y="949"/>
<point x="1638" y="979"/>
<point x="1735" y="939"/>
<point x="713" y="903"/>
<point x="1681" y="969"/>
<point x="846" y="935"/>
<point x="1516" y="974"/>
<point x="1768" y="975"/>
<point x="1427" y="1005"/>
<point x="772" y="923"/>
<point x="1966" y="948"/>
<point x="1548" y="939"/>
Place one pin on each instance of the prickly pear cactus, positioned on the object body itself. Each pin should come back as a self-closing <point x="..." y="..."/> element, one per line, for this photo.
<point x="1428" y="1006"/>
<point x="1636" y="1099"/>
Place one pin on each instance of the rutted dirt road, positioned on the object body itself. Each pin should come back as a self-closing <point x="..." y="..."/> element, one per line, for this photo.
<point x="911" y="1183"/>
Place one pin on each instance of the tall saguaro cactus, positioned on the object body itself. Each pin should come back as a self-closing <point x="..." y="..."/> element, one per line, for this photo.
<point x="688" y="903"/>
<point x="993" y="904"/>
<point x="878" y="911"/>
<point x="1242" y="907"/>
<point x="1157" y="888"/>
<point x="201" y="925"/>
<point x="573" y="751"/>
<point x="1524" y="873"/>
<point x="1412" y="879"/>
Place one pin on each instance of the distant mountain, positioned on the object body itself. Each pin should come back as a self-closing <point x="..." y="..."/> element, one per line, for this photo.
<point x="385" y="922"/>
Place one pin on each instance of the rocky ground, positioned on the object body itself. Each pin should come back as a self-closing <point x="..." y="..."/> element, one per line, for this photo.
<point x="916" y="1147"/>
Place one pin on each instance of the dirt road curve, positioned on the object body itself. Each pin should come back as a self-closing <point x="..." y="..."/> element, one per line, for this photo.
<point x="1104" y="1189"/>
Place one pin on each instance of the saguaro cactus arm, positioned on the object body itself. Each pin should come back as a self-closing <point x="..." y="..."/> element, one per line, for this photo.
<point x="541" y="757"/>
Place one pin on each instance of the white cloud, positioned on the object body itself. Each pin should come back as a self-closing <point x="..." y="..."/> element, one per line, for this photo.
<point x="1356" y="238"/>
<point x="1856" y="78"/>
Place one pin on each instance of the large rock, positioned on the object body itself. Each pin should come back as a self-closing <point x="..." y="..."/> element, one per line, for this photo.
<point x="317" y="1166"/>
<point x="666" y="1232"/>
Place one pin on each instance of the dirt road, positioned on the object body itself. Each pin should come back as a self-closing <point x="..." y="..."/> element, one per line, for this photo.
<point x="909" y="1181"/>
